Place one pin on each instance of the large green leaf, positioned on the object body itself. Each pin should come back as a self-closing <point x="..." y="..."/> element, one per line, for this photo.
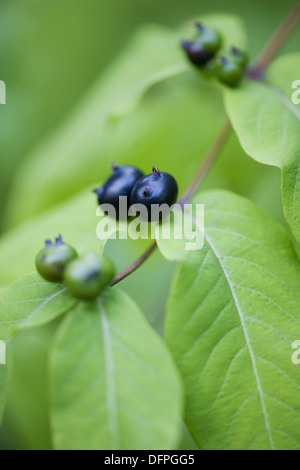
<point x="3" y="387"/>
<point x="232" y="318"/>
<point x="112" y="374"/>
<point x="75" y="219"/>
<point x="268" y="126"/>
<point x="31" y="301"/>
<point x="27" y="404"/>
<point x="80" y="149"/>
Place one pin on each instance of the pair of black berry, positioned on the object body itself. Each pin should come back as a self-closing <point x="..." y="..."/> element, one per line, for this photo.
<point x="158" y="187"/>
<point x="85" y="276"/>
<point x="202" y="52"/>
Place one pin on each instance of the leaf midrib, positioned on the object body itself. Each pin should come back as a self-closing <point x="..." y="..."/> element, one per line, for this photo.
<point x="285" y="100"/>
<point x="48" y="299"/>
<point x="111" y="399"/>
<point x="247" y="339"/>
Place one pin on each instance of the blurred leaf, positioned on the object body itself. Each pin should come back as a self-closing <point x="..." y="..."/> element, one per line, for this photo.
<point x="232" y="318"/>
<point x="3" y="387"/>
<point x="187" y="442"/>
<point x="282" y="72"/>
<point x="31" y="301"/>
<point x="113" y="375"/>
<point x="26" y="417"/>
<point x="156" y="271"/>
<point x="75" y="219"/>
<point x="268" y="126"/>
<point x="71" y="157"/>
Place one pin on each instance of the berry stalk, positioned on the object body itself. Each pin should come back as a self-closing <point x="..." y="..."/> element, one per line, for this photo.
<point x="209" y="159"/>
<point x="122" y="275"/>
<point x="279" y="37"/>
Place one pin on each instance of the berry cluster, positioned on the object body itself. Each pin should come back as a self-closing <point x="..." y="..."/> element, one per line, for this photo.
<point x="158" y="187"/>
<point x="203" y="53"/>
<point x="85" y="276"/>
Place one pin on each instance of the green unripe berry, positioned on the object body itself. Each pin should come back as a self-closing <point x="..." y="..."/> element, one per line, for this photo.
<point x="240" y="57"/>
<point x="87" y="276"/>
<point x="203" y="48"/>
<point x="52" y="260"/>
<point x="209" y="38"/>
<point x="228" y="72"/>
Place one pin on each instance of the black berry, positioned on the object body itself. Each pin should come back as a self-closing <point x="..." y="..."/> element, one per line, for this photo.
<point x="157" y="188"/>
<point x="120" y="183"/>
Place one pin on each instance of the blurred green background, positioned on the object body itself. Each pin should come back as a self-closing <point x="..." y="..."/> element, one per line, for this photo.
<point x="51" y="53"/>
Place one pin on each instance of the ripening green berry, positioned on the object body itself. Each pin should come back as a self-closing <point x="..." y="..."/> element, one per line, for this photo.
<point x="52" y="260"/>
<point x="228" y="72"/>
<point x="210" y="38"/>
<point x="87" y="276"/>
<point x="240" y="57"/>
<point x="203" y="48"/>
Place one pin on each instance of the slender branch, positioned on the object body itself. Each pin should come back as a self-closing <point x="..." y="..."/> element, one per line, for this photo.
<point x="206" y="164"/>
<point x="268" y="53"/>
<point x="119" y="277"/>
<point x="278" y="38"/>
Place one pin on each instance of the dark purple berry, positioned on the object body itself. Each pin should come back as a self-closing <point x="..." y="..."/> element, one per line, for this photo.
<point x="158" y="187"/>
<point x="120" y="183"/>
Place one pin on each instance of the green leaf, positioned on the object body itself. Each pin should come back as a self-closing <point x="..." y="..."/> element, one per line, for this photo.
<point x="27" y="404"/>
<point x="232" y="318"/>
<point x="268" y="126"/>
<point x="82" y="147"/>
<point x="112" y="374"/>
<point x="75" y="219"/>
<point x="31" y="301"/>
<point x="178" y="235"/>
<point x="3" y="387"/>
